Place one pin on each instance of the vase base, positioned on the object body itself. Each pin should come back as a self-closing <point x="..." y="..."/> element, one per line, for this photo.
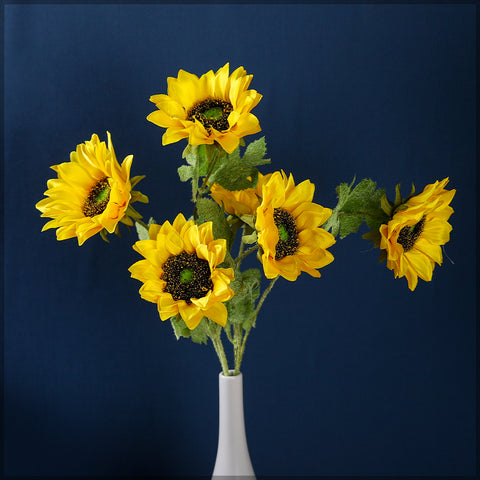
<point x="234" y="477"/>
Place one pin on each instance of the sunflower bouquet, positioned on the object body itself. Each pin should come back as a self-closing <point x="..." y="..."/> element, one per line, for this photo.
<point x="188" y="268"/>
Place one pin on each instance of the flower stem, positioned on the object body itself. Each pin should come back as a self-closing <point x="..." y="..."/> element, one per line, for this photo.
<point x="242" y="245"/>
<point x="218" y="345"/>
<point x="245" y="254"/>
<point x="241" y="350"/>
<point x="204" y="188"/>
<point x="229" y="333"/>
<point x="237" y="345"/>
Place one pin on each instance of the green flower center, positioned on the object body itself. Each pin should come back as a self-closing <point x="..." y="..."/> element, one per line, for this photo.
<point x="409" y="234"/>
<point x="287" y="233"/>
<point x="97" y="199"/>
<point x="187" y="277"/>
<point x="282" y="233"/>
<point x="211" y="113"/>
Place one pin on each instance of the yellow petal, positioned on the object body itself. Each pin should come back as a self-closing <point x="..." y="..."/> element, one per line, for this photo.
<point x="421" y="264"/>
<point x="217" y="313"/>
<point x="303" y="192"/>
<point x="428" y="249"/>
<point x="167" y="307"/>
<point x="310" y="215"/>
<point x="191" y="315"/>
<point x="228" y="142"/>
<point x="437" y="231"/>
<point x="171" y="107"/>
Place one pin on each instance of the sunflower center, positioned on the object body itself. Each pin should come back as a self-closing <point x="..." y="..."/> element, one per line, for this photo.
<point x="408" y="235"/>
<point x="97" y="199"/>
<point x="211" y="113"/>
<point x="287" y="233"/>
<point x="186" y="277"/>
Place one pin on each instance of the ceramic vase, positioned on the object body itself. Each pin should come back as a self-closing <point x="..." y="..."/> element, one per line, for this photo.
<point x="233" y="459"/>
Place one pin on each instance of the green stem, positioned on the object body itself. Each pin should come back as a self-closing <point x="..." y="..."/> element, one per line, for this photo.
<point x="241" y="350"/>
<point x="242" y="245"/>
<point x="204" y="188"/>
<point x="237" y="346"/>
<point x="217" y="343"/>
<point x="245" y="254"/>
<point x="264" y="296"/>
<point x="229" y="333"/>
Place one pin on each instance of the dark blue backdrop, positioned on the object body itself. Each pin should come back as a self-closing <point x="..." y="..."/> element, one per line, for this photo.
<point x="350" y="374"/>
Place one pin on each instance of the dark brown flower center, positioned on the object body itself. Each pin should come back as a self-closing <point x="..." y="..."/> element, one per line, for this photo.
<point x="408" y="235"/>
<point x="186" y="277"/>
<point x="287" y="233"/>
<point x="97" y="199"/>
<point x="211" y="113"/>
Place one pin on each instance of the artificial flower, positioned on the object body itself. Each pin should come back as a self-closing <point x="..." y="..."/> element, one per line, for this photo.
<point x="92" y="193"/>
<point x="413" y="238"/>
<point x="240" y="202"/>
<point x="288" y="227"/>
<point x="213" y="108"/>
<point x="180" y="274"/>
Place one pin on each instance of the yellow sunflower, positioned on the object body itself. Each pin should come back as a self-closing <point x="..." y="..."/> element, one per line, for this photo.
<point x="213" y="108"/>
<point x="288" y="227"/>
<point x="180" y="272"/>
<point x="93" y="192"/>
<point x="413" y="237"/>
<point x="240" y="202"/>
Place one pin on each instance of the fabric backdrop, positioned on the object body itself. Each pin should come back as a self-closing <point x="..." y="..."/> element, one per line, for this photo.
<point x="350" y="374"/>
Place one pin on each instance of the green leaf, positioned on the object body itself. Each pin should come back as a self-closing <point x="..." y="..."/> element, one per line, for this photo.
<point x="250" y="238"/>
<point x="189" y="149"/>
<point x="234" y="172"/>
<point x="210" y="211"/>
<point x="349" y="224"/>
<point x="247" y="289"/>
<point x="255" y="152"/>
<point x="398" y="196"/>
<point x="343" y="191"/>
<point x="199" y="334"/>
<point x="358" y="197"/>
<point x="185" y="172"/>
<point x="142" y="232"/>
<point x="364" y="202"/>
<point x="374" y="215"/>
<point x="180" y="329"/>
<point x="197" y="166"/>
<point x="385" y="205"/>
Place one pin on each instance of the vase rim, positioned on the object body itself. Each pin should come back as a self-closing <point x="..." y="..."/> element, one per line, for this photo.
<point x="221" y="375"/>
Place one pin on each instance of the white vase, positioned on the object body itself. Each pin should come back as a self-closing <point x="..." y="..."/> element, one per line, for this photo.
<point x="233" y="459"/>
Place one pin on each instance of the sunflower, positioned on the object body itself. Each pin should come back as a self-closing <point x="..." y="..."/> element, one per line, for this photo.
<point x="92" y="193"/>
<point x="288" y="227"/>
<point x="213" y="108"/>
<point x="412" y="239"/>
<point x="240" y="202"/>
<point x="180" y="272"/>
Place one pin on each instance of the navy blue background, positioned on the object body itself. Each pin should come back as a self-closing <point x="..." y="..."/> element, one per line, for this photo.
<point x="349" y="374"/>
